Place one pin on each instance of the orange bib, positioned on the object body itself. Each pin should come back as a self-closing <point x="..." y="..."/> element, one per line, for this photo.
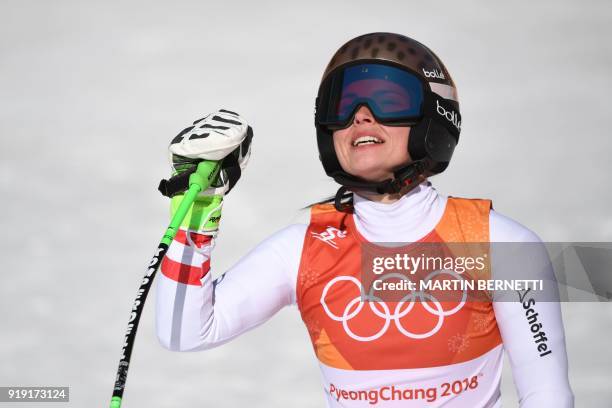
<point x="348" y="333"/>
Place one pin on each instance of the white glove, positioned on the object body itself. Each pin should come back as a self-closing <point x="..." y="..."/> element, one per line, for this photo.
<point x="222" y="136"/>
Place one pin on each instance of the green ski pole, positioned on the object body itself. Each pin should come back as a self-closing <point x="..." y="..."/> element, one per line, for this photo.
<point x="198" y="181"/>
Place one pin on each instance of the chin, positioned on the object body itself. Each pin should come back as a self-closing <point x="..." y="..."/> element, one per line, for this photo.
<point x="372" y="174"/>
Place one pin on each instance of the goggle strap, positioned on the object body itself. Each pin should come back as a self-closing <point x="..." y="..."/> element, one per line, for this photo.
<point x="442" y="111"/>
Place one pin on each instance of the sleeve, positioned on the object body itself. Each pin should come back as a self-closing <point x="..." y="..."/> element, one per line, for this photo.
<point x="195" y="312"/>
<point x="541" y="377"/>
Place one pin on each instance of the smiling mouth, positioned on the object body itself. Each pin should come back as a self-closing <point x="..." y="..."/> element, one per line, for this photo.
<point x="366" y="140"/>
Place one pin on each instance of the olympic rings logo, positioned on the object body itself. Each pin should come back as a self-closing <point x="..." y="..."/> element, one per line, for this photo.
<point x="399" y="311"/>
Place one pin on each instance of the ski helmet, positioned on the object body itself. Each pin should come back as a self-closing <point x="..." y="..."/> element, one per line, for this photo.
<point x="429" y="104"/>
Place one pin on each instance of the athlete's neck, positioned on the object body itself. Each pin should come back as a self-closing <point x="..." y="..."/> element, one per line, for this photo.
<point x="406" y="219"/>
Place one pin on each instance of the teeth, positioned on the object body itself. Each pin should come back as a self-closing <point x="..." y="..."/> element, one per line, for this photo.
<point x="366" y="140"/>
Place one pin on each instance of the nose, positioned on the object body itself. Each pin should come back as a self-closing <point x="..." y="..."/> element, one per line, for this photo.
<point x="363" y="116"/>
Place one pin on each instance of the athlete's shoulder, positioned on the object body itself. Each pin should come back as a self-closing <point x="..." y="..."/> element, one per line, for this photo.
<point x="501" y="227"/>
<point x="505" y="229"/>
<point x="483" y="204"/>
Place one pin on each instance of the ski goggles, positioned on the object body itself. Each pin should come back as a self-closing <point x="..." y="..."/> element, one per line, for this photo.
<point x="394" y="95"/>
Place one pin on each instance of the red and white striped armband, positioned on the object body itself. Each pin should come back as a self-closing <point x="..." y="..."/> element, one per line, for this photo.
<point x="188" y="258"/>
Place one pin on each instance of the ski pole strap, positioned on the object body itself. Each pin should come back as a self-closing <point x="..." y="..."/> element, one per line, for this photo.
<point x="180" y="182"/>
<point x="177" y="184"/>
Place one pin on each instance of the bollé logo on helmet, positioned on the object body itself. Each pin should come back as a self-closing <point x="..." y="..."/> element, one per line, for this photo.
<point x="451" y="116"/>
<point x="433" y="74"/>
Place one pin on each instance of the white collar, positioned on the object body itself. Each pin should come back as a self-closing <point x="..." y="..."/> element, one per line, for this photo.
<point x="408" y="219"/>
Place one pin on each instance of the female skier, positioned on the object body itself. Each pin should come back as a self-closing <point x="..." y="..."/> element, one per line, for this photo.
<point x="387" y="118"/>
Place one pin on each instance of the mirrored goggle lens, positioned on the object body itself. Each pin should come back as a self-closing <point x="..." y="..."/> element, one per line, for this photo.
<point x="391" y="93"/>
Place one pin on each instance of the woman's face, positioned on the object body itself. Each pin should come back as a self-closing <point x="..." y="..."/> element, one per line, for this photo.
<point x="373" y="160"/>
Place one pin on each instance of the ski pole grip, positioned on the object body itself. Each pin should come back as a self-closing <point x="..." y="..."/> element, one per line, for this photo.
<point x="200" y="180"/>
<point x="204" y="175"/>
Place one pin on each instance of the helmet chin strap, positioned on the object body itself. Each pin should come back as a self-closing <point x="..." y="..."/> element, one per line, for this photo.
<point x="404" y="177"/>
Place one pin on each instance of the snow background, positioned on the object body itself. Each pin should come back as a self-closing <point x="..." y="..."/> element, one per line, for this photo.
<point x="92" y="92"/>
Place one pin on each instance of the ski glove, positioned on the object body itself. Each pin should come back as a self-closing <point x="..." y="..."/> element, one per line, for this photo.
<point x="223" y="136"/>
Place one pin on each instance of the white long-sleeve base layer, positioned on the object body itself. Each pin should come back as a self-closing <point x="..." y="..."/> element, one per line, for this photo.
<point x="192" y="317"/>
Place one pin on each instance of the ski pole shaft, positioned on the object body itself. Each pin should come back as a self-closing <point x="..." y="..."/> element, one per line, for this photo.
<point x="198" y="181"/>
